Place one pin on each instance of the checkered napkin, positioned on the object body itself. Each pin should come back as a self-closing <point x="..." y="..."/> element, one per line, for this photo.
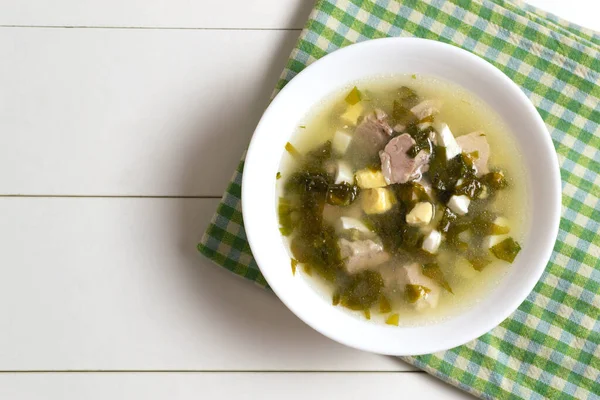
<point x="550" y="347"/>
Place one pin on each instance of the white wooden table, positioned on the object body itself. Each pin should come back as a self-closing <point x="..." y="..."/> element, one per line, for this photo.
<point x="121" y="122"/>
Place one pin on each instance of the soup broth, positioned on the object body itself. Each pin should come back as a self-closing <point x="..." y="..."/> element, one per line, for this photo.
<point x="402" y="199"/>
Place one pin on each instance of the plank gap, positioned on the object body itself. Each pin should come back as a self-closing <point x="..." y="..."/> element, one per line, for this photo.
<point x="179" y="28"/>
<point x="209" y="371"/>
<point x="107" y="196"/>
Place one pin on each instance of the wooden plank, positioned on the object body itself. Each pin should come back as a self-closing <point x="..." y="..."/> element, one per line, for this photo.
<point x="261" y="14"/>
<point x="131" y="112"/>
<point x="117" y="284"/>
<point x="181" y="386"/>
<point x="232" y="14"/>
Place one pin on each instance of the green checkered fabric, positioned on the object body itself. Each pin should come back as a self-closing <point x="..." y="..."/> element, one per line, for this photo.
<point x="550" y="347"/>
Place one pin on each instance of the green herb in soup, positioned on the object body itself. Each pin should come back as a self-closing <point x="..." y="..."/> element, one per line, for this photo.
<point x="398" y="204"/>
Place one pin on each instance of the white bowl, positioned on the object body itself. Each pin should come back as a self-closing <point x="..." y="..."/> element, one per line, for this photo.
<point x="383" y="57"/>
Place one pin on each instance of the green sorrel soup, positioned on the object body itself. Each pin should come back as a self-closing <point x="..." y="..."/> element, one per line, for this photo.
<point x="403" y="199"/>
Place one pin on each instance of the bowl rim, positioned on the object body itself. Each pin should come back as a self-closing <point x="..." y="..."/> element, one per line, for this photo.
<point x="252" y="228"/>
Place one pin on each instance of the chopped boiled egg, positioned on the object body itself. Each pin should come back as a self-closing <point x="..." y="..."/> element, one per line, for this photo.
<point x="376" y="200"/>
<point x="459" y="204"/>
<point x="340" y="142"/>
<point x="344" y="173"/>
<point x="368" y="179"/>
<point x="484" y="193"/>
<point x="428" y="292"/>
<point x="352" y="113"/>
<point x="399" y="128"/>
<point x="421" y="214"/>
<point x="432" y="242"/>
<point x="445" y="138"/>
<point x="424" y="125"/>
<point x="502" y="222"/>
<point x="347" y="223"/>
<point x="492" y="240"/>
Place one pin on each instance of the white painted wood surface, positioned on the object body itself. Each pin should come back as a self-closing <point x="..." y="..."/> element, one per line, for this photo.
<point x="151" y="98"/>
<point x="206" y="14"/>
<point x="131" y="112"/>
<point x="226" y="386"/>
<point x="211" y="14"/>
<point x="117" y="284"/>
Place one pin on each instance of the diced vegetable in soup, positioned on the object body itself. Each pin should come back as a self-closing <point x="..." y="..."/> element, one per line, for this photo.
<point x="402" y="200"/>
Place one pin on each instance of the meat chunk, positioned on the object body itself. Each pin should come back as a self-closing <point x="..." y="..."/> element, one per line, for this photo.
<point x="426" y="108"/>
<point x="359" y="255"/>
<point x="371" y="135"/>
<point x="413" y="275"/>
<point x="399" y="167"/>
<point x="392" y="275"/>
<point x="476" y="141"/>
